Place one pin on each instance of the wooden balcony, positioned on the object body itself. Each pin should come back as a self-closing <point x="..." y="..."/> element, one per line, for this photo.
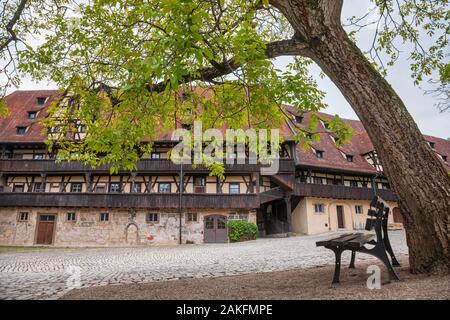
<point x="130" y="200"/>
<point x="161" y="166"/>
<point x="340" y="192"/>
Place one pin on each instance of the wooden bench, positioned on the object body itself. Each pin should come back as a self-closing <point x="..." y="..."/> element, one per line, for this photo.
<point x="355" y="242"/>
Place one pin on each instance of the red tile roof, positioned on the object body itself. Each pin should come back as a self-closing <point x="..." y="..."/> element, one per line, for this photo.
<point x="21" y="102"/>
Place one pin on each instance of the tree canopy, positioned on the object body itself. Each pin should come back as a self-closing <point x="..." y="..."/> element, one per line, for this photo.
<point x="122" y="65"/>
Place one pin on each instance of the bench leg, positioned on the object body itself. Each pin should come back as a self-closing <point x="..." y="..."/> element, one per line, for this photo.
<point x="352" y="260"/>
<point x="337" y="267"/>
<point x="387" y="245"/>
<point x="380" y="252"/>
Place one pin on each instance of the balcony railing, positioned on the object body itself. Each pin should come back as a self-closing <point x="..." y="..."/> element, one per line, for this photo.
<point x="146" y="165"/>
<point x="340" y="192"/>
<point x="130" y="200"/>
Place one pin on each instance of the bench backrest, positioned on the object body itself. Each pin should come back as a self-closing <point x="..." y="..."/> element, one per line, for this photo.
<point x="378" y="212"/>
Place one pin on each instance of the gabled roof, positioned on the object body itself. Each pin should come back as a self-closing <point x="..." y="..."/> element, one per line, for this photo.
<point x="21" y="102"/>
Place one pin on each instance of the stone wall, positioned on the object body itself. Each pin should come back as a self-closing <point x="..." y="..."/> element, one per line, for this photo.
<point x="124" y="227"/>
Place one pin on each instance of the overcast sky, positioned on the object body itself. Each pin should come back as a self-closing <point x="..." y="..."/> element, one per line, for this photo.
<point x="421" y="106"/>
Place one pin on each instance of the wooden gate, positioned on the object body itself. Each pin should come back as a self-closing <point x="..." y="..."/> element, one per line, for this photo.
<point x="46" y="226"/>
<point x="397" y="215"/>
<point x="216" y="230"/>
<point x="340" y="217"/>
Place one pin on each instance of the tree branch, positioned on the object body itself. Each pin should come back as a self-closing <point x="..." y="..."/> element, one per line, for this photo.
<point x="11" y="24"/>
<point x="289" y="47"/>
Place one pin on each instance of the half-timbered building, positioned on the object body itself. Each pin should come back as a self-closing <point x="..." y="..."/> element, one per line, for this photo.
<point x="43" y="202"/>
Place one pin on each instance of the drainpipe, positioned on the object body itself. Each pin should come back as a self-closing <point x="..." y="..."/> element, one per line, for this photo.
<point x="181" y="187"/>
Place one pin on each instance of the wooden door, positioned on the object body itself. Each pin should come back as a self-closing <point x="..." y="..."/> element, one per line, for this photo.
<point x="340" y="217"/>
<point x="215" y="229"/>
<point x="397" y="215"/>
<point x="46" y="225"/>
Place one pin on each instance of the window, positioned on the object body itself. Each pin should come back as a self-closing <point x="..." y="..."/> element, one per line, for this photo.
<point x="319" y="154"/>
<point x="235" y="187"/>
<point x="21" y="130"/>
<point x="32" y="115"/>
<point x="1" y="188"/>
<point x="199" y="184"/>
<point x="318" y="180"/>
<point x="37" y="187"/>
<point x="38" y="156"/>
<point x="17" y="156"/>
<point x="104" y="216"/>
<point x="41" y="100"/>
<point x="75" y="187"/>
<point x="186" y="126"/>
<point x="298" y="119"/>
<point x="432" y="144"/>
<point x="23" y="216"/>
<point x="152" y="217"/>
<point x="71" y="216"/>
<point x="319" y="208"/>
<point x="164" y="187"/>
<point x="385" y="185"/>
<point x="353" y="183"/>
<point x="192" y="217"/>
<point x="358" y="209"/>
<point x="18" y="188"/>
<point x="349" y="158"/>
<point x="137" y="187"/>
<point x="156" y="155"/>
<point x="444" y="158"/>
<point x="114" y="187"/>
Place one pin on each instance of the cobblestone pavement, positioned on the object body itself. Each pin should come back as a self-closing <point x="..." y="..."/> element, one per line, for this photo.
<point x="48" y="274"/>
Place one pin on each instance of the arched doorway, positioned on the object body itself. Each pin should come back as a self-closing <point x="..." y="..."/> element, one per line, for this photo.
<point x="132" y="234"/>
<point x="215" y="229"/>
<point x="397" y="215"/>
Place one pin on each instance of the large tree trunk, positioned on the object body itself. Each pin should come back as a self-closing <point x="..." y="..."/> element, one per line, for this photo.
<point x="415" y="173"/>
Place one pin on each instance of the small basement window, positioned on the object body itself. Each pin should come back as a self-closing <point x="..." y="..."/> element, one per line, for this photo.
<point x="152" y="217"/>
<point x="319" y="208"/>
<point x="358" y="209"/>
<point x="32" y="115"/>
<point x="21" y="130"/>
<point x="41" y="100"/>
<point x="71" y="216"/>
<point x="104" y="216"/>
<point x="23" y="216"/>
<point x="192" y="217"/>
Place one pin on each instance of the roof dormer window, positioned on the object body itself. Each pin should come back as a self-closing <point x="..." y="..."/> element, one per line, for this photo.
<point x="349" y="158"/>
<point x="298" y="119"/>
<point x="32" y="115"/>
<point x="444" y="158"/>
<point x="319" y="154"/>
<point x="432" y="144"/>
<point x="41" y="100"/>
<point x="21" y="130"/>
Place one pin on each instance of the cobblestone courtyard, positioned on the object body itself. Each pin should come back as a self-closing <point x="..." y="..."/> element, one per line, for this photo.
<point x="46" y="274"/>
